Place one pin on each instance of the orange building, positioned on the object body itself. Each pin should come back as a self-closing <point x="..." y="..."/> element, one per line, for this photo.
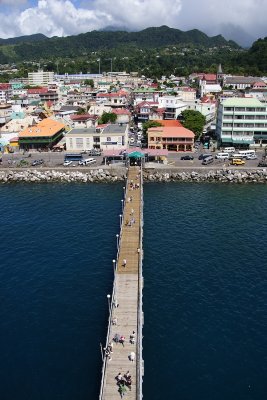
<point x="44" y="135"/>
<point x="170" y="138"/>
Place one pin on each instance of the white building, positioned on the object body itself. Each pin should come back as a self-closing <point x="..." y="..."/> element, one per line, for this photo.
<point x="242" y="122"/>
<point x="40" y="78"/>
<point x="109" y="137"/>
<point x="173" y="106"/>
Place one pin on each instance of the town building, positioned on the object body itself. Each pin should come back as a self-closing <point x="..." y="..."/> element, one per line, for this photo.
<point x="104" y="137"/>
<point x="5" y="92"/>
<point x="173" y="106"/>
<point x="175" y="138"/>
<point x="243" y="82"/>
<point x="40" y="78"/>
<point x="43" y="135"/>
<point x="242" y="122"/>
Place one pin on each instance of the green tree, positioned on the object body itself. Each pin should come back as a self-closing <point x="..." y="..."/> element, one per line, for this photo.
<point x="81" y="111"/>
<point x="194" y="121"/>
<point x="147" y="125"/>
<point x="89" y="82"/>
<point x="107" y="117"/>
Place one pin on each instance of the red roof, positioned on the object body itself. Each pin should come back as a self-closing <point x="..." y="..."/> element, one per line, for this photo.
<point x="210" y="77"/>
<point x="178" y="132"/>
<point x="147" y="103"/>
<point x="169" y="123"/>
<point x="5" y="86"/>
<point x="259" y="84"/>
<point x="83" y="117"/>
<point x="37" y="91"/>
<point x="121" y="111"/>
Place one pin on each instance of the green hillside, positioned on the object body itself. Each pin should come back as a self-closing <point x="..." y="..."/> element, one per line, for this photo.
<point x="83" y="44"/>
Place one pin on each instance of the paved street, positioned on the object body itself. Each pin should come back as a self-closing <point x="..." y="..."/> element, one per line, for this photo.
<point x="174" y="159"/>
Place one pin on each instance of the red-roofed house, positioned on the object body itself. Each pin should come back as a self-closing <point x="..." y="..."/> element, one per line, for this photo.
<point x="210" y="78"/>
<point x="113" y="99"/>
<point x="148" y="110"/>
<point x="123" y="115"/>
<point x="83" y="120"/>
<point x="170" y="138"/>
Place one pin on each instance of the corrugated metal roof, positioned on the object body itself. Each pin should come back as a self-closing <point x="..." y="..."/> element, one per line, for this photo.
<point x="242" y="102"/>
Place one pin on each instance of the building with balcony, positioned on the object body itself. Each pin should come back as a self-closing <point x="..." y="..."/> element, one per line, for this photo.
<point x="242" y="122"/>
<point x="173" y="106"/>
<point x="43" y="135"/>
<point x="170" y="138"/>
<point x="104" y="137"/>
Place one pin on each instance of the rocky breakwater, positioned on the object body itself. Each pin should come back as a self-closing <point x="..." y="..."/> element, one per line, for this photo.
<point x="34" y="175"/>
<point x="223" y="176"/>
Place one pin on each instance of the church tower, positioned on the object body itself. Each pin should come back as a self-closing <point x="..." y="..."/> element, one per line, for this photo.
<point x="220" y="75"/>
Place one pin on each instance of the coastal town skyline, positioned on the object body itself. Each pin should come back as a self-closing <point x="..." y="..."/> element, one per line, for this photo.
<point x="239" y="21"/>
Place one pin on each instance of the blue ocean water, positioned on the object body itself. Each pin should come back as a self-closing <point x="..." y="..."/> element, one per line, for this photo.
<point x="205" y="332"/>
<point x="57" y="245"/>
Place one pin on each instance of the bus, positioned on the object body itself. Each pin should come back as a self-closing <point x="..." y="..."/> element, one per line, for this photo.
<point x="73" y="157"/>
<point x="246" y="153"/>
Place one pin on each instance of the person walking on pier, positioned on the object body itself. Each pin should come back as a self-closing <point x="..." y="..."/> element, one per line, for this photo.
<point x="132" y="338"/>
<point x="122" y="389"/>
<point x="124" y="262"/>
<point x="122" y="340"/>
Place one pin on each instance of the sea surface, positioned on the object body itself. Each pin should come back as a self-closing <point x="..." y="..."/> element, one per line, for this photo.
<point x="205" y="292"/>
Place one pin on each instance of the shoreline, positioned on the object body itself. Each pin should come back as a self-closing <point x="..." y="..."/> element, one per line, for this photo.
<point x="150" y="174"/>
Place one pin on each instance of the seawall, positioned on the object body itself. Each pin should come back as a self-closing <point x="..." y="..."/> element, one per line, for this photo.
<point x="112" y="175"/>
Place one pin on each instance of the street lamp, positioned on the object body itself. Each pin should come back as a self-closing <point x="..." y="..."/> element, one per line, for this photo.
<point x="109" y="307"/>
<point x="117" y="236"/>
<point x="114" y="266"/>
<point x="122" y="201"/>
<point x="124" y="188"/>
<point x="120" y="220"/>
<point x="98" y="65"/>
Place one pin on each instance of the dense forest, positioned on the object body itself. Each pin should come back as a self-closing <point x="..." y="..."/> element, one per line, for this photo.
<point x="152" y="52"/>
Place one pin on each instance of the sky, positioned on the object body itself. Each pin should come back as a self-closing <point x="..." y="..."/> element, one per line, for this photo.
<point x="241" y="20"/>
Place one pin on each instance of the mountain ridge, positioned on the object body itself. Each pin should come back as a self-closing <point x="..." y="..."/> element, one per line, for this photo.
<point x="30" y="48"/>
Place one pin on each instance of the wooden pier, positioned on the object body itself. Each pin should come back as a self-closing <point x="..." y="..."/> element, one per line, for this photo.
<point x="126" y="301"/>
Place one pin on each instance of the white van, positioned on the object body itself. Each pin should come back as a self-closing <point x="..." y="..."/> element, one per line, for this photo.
<point x="222" y="156"/>
<point x="237" y="155"/>
<point x="246" y="153"/>
<point x="207" y="160"/>
<point x="87" y="161"/>
<point x="229" y="150"/>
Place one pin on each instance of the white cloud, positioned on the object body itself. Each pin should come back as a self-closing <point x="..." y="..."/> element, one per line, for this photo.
<point x="68" y="17"/>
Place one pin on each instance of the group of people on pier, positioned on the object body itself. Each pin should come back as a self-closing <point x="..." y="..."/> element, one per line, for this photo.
<point x="124" y="382"/>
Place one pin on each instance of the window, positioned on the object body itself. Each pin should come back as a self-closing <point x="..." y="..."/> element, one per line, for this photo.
<point x="152" y="139"/>
<point x="79" y="143"/>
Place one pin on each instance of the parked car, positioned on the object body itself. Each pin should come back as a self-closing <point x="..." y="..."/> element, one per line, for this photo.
<point x="187" y="157"/>
<point x="251" y="157"/>
<point x="202" y="156"/>
<point x="67" y="163"/>
<point x="237" y="161"/>
<point x="37" y="162"/>
<point x="94" y="152"/>
<point x="262" y="163"/>
<point x="87" y="161"/>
